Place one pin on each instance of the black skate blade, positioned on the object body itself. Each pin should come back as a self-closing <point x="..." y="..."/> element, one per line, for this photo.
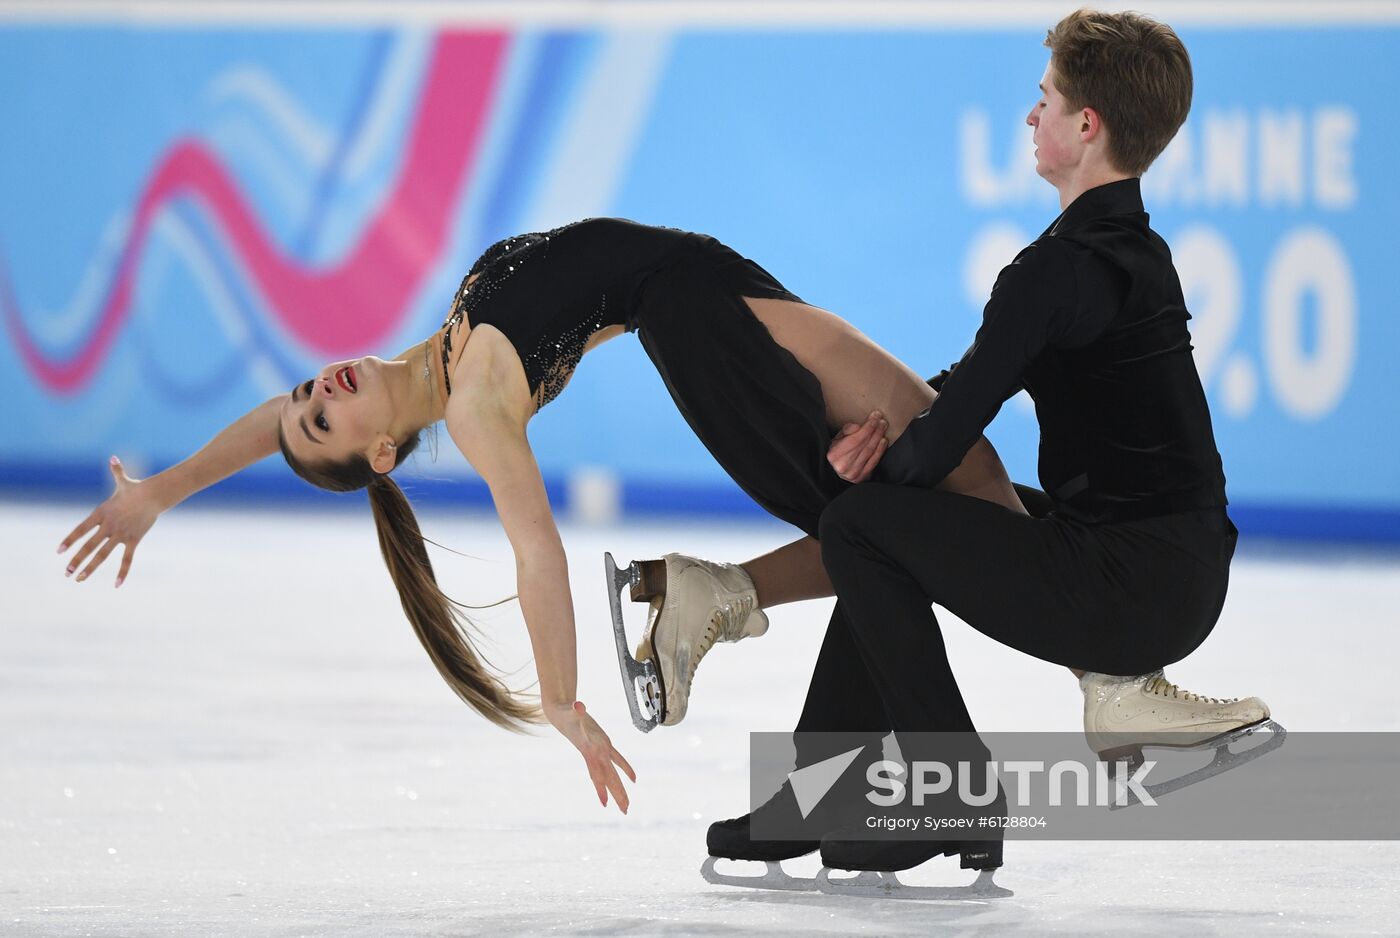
<point x="774" y="877"/>
<point x="641" y="680"/>
<point x="1225" y="759"/>
<point x="872" y="885"/>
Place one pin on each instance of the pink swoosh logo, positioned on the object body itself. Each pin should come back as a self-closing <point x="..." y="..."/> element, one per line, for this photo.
<point x="339" y="309"/>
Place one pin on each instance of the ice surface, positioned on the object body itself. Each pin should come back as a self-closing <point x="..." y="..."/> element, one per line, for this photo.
<point x="246" y="739"/>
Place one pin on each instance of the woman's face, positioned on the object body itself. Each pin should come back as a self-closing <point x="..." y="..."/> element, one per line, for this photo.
<point x="345" y="409"/>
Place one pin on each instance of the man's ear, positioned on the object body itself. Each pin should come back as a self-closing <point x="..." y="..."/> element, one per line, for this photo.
<point x="1090" y="125"/>
<point x="383" y="454"/>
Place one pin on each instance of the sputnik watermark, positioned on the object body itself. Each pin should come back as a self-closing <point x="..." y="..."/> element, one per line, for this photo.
<point x="933" y="779"/>
<point x="889" y="787"/>
<point x="909" y="786"/>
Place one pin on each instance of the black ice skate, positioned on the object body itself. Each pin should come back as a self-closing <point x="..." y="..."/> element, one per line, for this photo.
<point x="732" y="840"/>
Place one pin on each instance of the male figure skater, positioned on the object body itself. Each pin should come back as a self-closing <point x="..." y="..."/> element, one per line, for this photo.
<point x="1123" y="565"/>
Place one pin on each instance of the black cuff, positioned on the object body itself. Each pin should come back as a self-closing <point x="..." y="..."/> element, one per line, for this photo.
<point x="903" y="464"/>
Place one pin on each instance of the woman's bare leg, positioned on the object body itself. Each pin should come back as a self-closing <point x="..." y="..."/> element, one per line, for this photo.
<point x="790" y="574"/>
<point x="857" y="377"/>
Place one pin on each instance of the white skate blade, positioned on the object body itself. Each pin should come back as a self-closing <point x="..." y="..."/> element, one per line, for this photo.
<point x="1225" y="759"/>
<point x="774" y="877"/>
<point x="640" y="681"/>
<point x="874" y="885"/>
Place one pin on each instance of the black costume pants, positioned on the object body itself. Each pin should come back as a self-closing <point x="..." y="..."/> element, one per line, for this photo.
<point x="1124" y="598"/>
<point x="758" y="411"/>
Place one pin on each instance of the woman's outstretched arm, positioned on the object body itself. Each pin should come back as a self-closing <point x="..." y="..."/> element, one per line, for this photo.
<point x="125" y="517"/>
<point x="496" y="446"/>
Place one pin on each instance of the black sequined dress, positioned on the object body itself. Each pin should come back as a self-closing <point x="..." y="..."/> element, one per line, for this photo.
<point x="756" y="409"/>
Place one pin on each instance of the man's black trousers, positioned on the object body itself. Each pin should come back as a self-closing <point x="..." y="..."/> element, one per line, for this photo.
<point x="1122" y="598"/>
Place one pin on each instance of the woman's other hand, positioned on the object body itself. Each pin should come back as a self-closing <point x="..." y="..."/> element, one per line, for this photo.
<point x="857" y="449"/>
<point x="597" y="750"/>
<point x="123" y="519"/>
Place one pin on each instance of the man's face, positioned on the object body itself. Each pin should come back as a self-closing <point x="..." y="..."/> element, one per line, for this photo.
<point x="1059" y="146"/>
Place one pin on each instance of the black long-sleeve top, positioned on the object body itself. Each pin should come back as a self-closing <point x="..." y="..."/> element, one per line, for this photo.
<point x="1091" y="321"/>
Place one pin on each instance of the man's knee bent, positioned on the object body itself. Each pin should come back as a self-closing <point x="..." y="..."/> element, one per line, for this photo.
<point x="845" y="521"/>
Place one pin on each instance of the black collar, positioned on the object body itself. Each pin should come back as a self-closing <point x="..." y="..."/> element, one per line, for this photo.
<point x="1123" y="197"/>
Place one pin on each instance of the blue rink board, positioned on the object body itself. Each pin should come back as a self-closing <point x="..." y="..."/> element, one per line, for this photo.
<point x="883" y="175"/>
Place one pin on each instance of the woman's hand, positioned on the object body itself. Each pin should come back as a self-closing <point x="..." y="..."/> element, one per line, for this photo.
<point x="856" y="450"/>
<point x="598" y="752"/>
<point x="124" y="518"/>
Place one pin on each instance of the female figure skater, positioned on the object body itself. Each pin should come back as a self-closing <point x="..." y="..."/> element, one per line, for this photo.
<point x="761" y="377"/>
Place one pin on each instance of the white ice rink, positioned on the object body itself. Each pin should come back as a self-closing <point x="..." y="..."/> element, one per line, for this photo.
<point x="246" y="739"/>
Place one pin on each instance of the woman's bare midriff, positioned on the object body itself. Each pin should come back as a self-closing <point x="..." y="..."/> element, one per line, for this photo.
<point x="858" y="377"/>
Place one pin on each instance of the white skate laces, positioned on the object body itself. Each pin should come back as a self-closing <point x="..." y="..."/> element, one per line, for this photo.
<point x="1160" y="687"/>
<point x="726" y="625"/>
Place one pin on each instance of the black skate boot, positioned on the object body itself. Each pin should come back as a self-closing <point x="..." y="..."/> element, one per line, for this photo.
<point x="792" y="822"/>
<point x="733" y="840"/>
<point x="877" y="861"/>
<point x="891" y="856"/>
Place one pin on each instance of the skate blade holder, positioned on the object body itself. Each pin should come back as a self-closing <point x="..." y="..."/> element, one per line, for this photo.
<point x="1222" y="761"/>
<point x="877" y="885"/>
<point x="773" y="877"/>
<point x="641" y="681"/>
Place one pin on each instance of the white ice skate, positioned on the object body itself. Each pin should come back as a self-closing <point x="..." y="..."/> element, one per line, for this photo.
<point x="693" y="604"/>
<point x="1122" y="715"/>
